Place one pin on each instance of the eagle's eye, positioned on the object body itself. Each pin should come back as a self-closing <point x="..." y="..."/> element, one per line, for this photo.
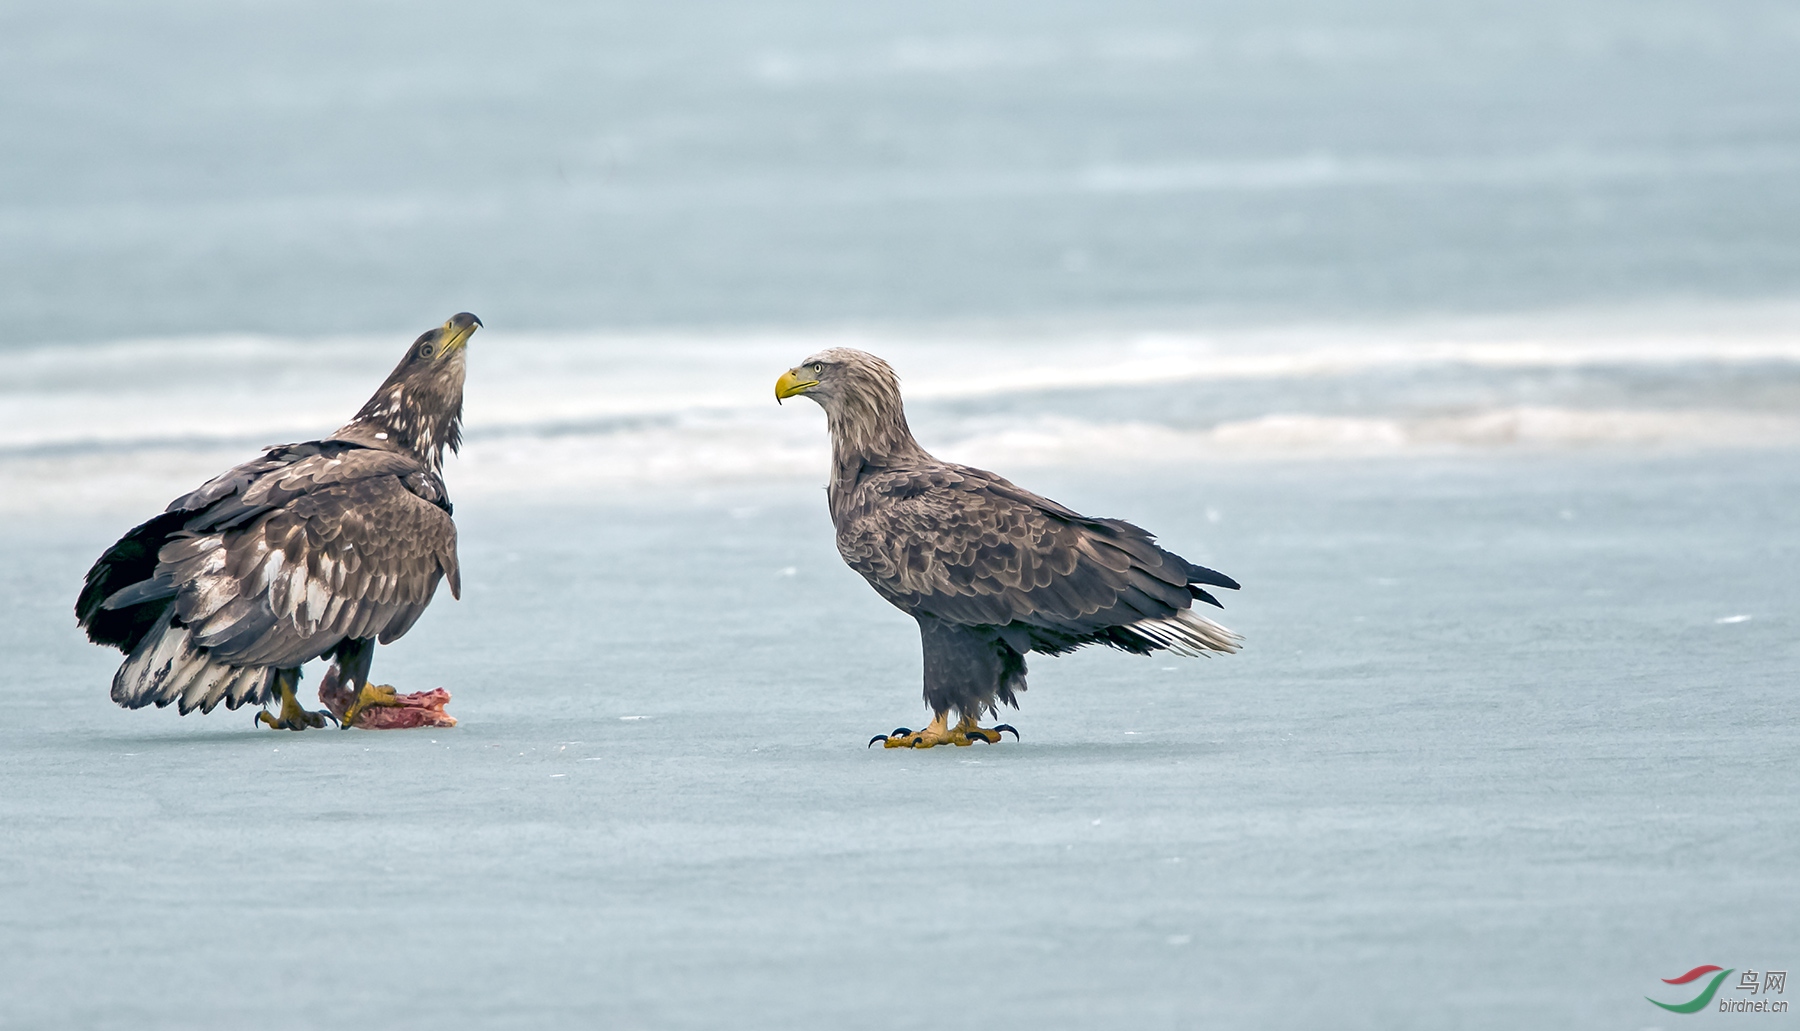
<point x="425" y="350"/>
<point x="818" y="368"/>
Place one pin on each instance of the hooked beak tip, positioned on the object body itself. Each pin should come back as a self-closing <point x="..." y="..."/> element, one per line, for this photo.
<point x="790" y="385"/>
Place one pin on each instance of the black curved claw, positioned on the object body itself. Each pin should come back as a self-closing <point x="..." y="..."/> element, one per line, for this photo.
<point x="878" y="737"/>
<point x="1008" y="728"/>
<point x="899" y="732"/>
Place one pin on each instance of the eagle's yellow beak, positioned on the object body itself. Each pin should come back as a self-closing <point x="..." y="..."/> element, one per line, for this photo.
<point x="456" y="333"/>
<point x="789" y="385"/>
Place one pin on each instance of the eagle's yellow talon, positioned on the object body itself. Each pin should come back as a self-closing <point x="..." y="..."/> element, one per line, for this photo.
<point x="991" y="735"/>
<point x="371" y="695"/>
<point x="292" y="717"/>
<point x="965" y="733"/>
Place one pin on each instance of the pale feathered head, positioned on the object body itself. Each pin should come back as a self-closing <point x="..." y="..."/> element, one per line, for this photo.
<point x="418" y="408"/>
<point x="861" y="397"/>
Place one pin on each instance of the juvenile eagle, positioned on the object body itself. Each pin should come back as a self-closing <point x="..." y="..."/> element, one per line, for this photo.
<point x="321" y="548"/>
<point x="989" y="570"/>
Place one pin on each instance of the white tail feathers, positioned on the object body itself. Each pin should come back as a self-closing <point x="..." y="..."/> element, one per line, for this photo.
<point x="1187" y="633"/>
<point x="166" y="667"/>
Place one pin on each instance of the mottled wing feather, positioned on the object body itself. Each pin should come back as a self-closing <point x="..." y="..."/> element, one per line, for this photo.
<point x="289" y="554"/>
<point x="119" y="602"/>
<point x="966" y="546"/>
<point x="351" y="560"/>
<point x="284" y="473"/>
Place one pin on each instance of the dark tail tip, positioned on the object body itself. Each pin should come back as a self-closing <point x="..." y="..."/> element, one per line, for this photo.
<point x="1210" y="577"/>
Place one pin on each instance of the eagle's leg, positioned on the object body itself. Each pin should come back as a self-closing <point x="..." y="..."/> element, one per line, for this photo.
<point x="348" y="680"/>
<point x="292" y="717"/>
<point x="968" y="670"/>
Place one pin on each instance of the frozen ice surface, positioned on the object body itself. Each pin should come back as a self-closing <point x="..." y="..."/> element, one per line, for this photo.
<point x="1494" y="756"/>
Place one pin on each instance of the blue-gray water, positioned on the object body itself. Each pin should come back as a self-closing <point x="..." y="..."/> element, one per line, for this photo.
<point x="194" y="167"/>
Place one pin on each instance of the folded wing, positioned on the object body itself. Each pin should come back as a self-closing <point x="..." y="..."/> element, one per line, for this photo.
<point x="272" y="564"/>
<point x="968" y="547"/>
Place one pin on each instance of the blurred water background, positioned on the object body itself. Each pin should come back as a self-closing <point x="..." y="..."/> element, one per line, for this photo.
<point x="293" y="169"/>
<point x="1283" y="225"/>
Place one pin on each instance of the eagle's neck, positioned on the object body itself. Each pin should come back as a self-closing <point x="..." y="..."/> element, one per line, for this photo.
<point x="869" y="432"/>
<point x="417" y="411"/>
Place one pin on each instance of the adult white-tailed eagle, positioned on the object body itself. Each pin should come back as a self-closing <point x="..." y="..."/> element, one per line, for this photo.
<point x="989" y="570"/>
<point x="321" y="548"/>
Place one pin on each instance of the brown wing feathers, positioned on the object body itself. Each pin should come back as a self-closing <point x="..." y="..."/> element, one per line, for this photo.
<point x="354" y="560"/>
<point x="270" y="565"/>
<point x="968" y="547"/>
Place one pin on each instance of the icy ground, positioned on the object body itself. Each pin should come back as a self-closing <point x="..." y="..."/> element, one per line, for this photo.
<point x="1502" y="751"/>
